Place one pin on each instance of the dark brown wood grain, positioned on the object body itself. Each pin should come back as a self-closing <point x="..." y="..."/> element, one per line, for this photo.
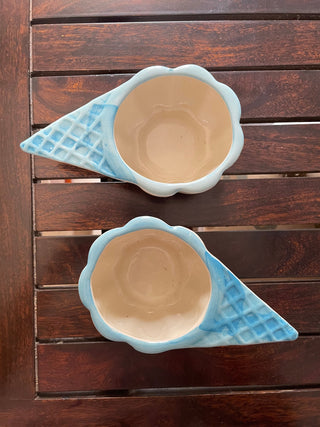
<point x="113" y="366"/>
<point x="211" y="44"/>
<point x="279" y="47"/>
<point x="297" y="302"/>
<point x="59" y="260"/>
<point x="279" y="148"/>
<point x="271" y="254"/>
<point x="16" y="293"/>
<point x="60" y="313"/>
<point x="231" y="202"/>
<point x="55" y="96"/>
<point x="263" y="95"/>
<point x="99" y="8"/>
<point x="249" y="254"/>
<point x="49" y="169"/>
<point x="262" y="408"/>
<point x="267" y="149"/>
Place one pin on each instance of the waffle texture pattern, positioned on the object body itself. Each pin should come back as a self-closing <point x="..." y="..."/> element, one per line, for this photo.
<point x="235" y="315"/>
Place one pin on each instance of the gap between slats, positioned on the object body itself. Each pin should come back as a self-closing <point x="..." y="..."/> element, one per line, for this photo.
<point x="225" y="177"/>
<point x="98" y="19"/>
<point x="246" y="281"/>
<point x="44" y="9"/>
<point x="181" y="391"/>
<point x="82" y="233"/>
<point x="129" y="72"/>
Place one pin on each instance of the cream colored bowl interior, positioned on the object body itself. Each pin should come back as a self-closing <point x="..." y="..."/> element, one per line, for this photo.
<point x="173" y="129"/>
<point x="151" y="285"/>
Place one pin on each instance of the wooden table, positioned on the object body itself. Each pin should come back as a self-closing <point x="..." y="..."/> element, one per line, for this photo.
<point x="263" y="217"/>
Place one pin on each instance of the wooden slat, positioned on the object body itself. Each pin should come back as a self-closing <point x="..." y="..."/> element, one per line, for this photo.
<point x="112" y="366"/>
<point x="16" y="293"/>
<point x="210" y="44"/>
<point x="55" y="96"/>
<point x="232" y="202"/>
<point x="298" y="303"/>
<point x="267" y="149"/>
<point x="79" y="8"/>
<point x="249" y="254"/>
<point x="272" y="254"/>
<point x="59" y="260"/>
<point x="273" y="95"/>
<point x="45" y="168"/>
<point x="60" y="313"/>
<point x="262" y="408"/>
<point x="276" y="149"/>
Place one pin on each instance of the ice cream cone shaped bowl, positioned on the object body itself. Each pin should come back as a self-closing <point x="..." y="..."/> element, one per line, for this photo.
<point x="158" y="288"/>
<point x="165" y="130"/>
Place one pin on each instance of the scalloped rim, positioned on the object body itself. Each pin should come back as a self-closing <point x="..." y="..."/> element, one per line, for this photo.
<point x="85" y="291"/>
<point x="120" y="169"/>
<point x="233" y="104"/>
<point x="197" y="337"/>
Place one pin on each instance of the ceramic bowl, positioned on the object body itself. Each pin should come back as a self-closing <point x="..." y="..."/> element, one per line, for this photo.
<point x="158" y="288"/>
<point x="165" y="130"/>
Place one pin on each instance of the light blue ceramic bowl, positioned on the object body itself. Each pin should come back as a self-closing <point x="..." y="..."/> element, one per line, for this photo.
<point x="85" y="137"/>
<point x="234" y="315"/>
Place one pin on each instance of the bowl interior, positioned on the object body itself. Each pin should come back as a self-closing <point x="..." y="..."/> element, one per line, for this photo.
<point x="151" y="285"/>
<point x="173" y="129"/>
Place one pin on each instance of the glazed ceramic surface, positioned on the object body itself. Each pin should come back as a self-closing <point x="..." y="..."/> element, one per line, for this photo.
<point x="165" y="130"/>
<point x="158" y="288"/>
